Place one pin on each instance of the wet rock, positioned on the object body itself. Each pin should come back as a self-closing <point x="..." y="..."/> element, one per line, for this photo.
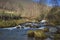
<point x="48" y="39"/>
<point x="58" y="27"/>
<point x="17" y="27"/>
<point x="45" y="29"/>
<point x="53" y="29"/>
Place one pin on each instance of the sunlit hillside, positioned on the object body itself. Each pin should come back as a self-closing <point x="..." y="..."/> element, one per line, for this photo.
<point x="32" y="10"/>
<point x="17" y="9"/>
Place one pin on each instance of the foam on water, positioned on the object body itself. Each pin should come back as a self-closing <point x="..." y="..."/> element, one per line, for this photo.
<point x="11" y="28"/>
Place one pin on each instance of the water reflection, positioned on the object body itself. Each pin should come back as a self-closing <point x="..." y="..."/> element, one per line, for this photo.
<point x="38" y="38"/>
<point x="15" y="34"/>
<point x="30" y="38"/>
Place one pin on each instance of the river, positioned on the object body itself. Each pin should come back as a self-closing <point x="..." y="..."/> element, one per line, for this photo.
<point x="14" y="34"/>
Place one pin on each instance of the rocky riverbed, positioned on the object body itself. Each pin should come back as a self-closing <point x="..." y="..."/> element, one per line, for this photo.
<point x="20" y="32"/>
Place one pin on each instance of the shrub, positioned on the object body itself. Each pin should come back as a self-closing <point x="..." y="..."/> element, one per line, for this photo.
<point x="30" y="33"/>
<point x="53" y="16"/>
<point x="40" y="34"/>
<point x="57" y="37"/>
<point x="11" y="23"/>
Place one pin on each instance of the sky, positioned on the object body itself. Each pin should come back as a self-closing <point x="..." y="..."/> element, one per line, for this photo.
<point x="48" y="2"/>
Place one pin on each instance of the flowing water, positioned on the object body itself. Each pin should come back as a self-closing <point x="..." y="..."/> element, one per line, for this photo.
<point x="15" y="34"/>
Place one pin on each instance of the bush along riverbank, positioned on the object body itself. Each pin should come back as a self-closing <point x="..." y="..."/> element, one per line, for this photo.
<point x="10" y="23"/>
<point x="11" y="20"/>
<point x="46" y="34"/>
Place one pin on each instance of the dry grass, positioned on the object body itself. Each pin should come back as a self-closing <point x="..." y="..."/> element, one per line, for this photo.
<point x="57" y="37"/>
<point x="37" y="34"/>
<point x="11" y="23"/>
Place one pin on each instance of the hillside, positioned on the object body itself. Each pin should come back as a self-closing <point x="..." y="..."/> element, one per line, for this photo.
<point x="53" y="16"/>
<point x="14" y="12"/>
<point x="29" y="8"/>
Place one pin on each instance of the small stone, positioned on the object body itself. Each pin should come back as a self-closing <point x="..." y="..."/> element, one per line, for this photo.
<point x="53" y="29"/>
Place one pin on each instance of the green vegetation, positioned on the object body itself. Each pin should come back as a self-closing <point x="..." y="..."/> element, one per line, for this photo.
<point x="53" y="16"/>
<point x="37" y="34"/>
<point x="10" y="20"/>
<point x="57" y="37"/>
<point x="11" y="23"/>
<point x="30" y="33"/>
<point x="40" y="34"/>
<point x="46" y="30"/>
<point x="9" y="16"/>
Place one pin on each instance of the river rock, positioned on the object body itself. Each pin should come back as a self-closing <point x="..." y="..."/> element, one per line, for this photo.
<point x="53" y="29"/>
<point x="48" y="39"/>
